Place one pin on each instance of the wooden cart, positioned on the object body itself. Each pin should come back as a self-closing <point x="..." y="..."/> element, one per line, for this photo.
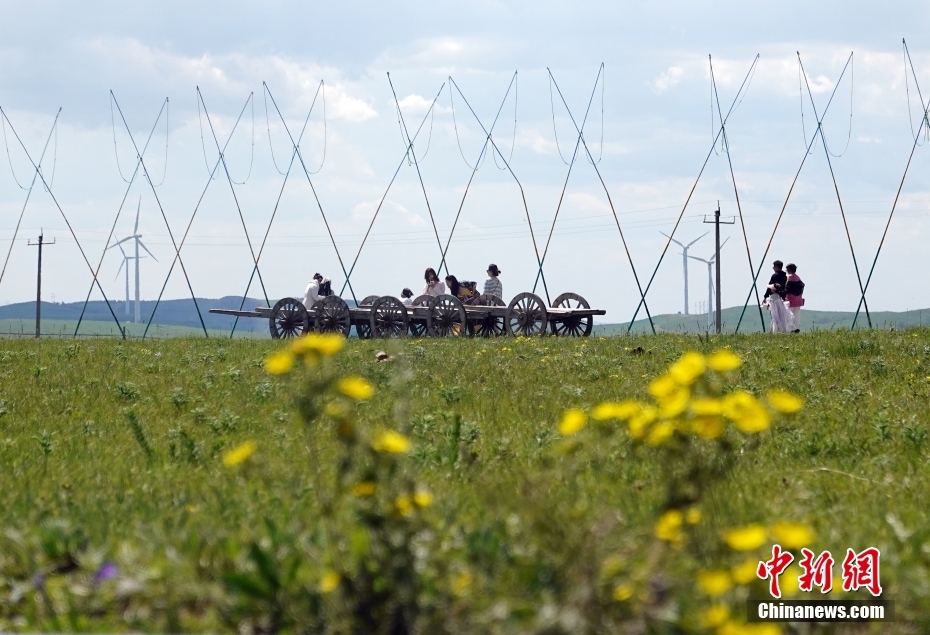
<point x="435" y="316"/>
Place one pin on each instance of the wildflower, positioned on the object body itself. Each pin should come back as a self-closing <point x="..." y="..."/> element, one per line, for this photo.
<point x="329" y="582"/>
<point x="746" y="412"/>
<point x="403" y="505"/>
<point x="707" y="427"/>
<point x="688" y="368"/>
<point x="745" y="538"/>
<point x="714" y="582"/>
<point x="723" y="361"/>
<point x="107" y="571"/>
<point x="693" y="516"/>
<point x="639" y="422"/>
<point x="674" y="403"/>
<point x="792" y="535"/>
<point x="668" y="527"/>
<point x="662" y="386"/>
<point x="316" y="344"/>
<point x="735" y="628"/>
<point x="746" y="572"/>
<point x="240" y="454"/>
<point x="355" y="388"/>
<point x="790" y="585"/>
<point x="422" y="499"/>
<point x="608" y="410"/>
<point x="461" y="583"/>
<point x="784" y="402"/>
<point x="660" y="433"/>
<point x="572" y="422"/>
<point x="622" y="592"/>
<point x="705" y="406"/>
<point x="391" y="442"/>
<point x="364" y="489"/>
<point x="715" y="616"/>
<point x="279" y="363"/>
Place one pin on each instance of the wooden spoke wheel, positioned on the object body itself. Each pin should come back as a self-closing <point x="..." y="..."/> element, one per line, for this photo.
<point x="331" y="315"/>
<point x="446" y="317"/>
<point x="388" y="317"/>
<point x="288" y="319"/>
<point x="575" y="326"/>
<point x="526" y="315"/>
<point x="492" y="325"/>
<point x="363" y="329"/>
<point x="418" y="327"/>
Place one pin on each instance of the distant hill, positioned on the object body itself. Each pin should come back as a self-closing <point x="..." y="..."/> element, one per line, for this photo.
<point x="810" y="320"/>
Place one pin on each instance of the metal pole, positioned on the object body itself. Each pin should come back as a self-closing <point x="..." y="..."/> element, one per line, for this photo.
<point x="39" y="282"/>
<point x="717" y="235"/>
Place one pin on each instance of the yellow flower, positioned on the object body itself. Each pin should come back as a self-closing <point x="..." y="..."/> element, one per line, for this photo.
<point x="660" y="433"/>
<point x="688" y="368"/>
<point x="329" y="582"/>
<point x="723" y="361"/>
<point x="668" y="527"/>
<point x="279" y="363"/>
<point x="461" y="583"/>
<point x="611" y="566"/>
<point x="662" y="386"/>
<point x="790" y="584"/>
<point x="735" y="628"/>
<point x="715" y="616"/>
<point x="391" y="442"/>
<point x="422" y="499"/>
<point x="403" y="505"/>
<point x="745" y="538"/>
<point x="238" y="455"/>
<point x="792" y="535"/>
<point x="693" y="516"/>
<point x="707" y="427"/>
<point x="318" y="344"/>
<point x="784" y="402"/>
<point x="622" y="592"/>
<point x="355" y="388"/>
<point x="609" y="410"/>
<point x="639" y="422"/>
<point x="572" y="422"/>
<point x="746" y="572"/>
<point x="704" y="406"/>
<point x="674" y="403"/>
<point x="364" y="489"/>
<point x="714" y="582"/>
<point x="746" y="412"/>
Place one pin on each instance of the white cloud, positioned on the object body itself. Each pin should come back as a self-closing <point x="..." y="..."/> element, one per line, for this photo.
<point x="669" y="78"/>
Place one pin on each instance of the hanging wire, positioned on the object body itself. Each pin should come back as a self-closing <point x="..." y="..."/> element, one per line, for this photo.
<point x="213" y="175"/>
<point x="165" y="171"/>
<point x="601" y="151"/>
<point x="713" y="128"/>
<point x="10" y="159"/>
<point x="852" y="83"/>
<point x="400" y="128"/>
<point x="51" y="184"/>
<point x="801" y="95"/>
<point x="552" y="109"/>
<point x="513" y="142"/>
<point x="252" y="159"/>
<point x="115" y="151"/>
<point x="484" y="154"/>
<point x="323" y="160"/>
<point x="268" y="125"/>
<point x="554" y="131"/>
<point x="910" y="118"/>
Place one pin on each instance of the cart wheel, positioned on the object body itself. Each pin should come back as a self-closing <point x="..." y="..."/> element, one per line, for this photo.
<point x="574" y="326"/>
<point x="418" y="327"/>
<point x="363" y="329"/>
<point x="388" y="317"/>
<point x="492" y="325"/>
<point x="331" y="315"/>
<point x="288" y="319"/>
<point x="526" y="315"/>
<point x="446" y="316"/>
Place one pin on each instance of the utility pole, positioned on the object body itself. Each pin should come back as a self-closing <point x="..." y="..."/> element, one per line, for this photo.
<point x="716" y="221"/>
<point x="39" y="281"/>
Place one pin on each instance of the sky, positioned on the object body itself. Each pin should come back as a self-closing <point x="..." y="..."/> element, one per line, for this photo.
<point x="189" y="78"/>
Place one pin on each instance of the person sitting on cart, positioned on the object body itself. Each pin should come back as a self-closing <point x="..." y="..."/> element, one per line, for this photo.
<point x="493" y="286"/>
<point x="434" y="286"/>
<point x="406" y="296"/>
<point x="465" y="291"/>
<point x="318" y="288"/>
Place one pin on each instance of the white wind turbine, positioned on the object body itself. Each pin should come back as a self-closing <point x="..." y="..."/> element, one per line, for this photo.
<point x="137" y="239"/>
<point x="710" y="285"/>
<point x="684" y="260"/>
<point x="125" y="262"/>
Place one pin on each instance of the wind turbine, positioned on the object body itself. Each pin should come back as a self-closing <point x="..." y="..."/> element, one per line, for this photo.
<point x="137" y="239"/>
<point x="710" y="285"/>
<point x="684" y="260"/>
<point x="125" y="262"/>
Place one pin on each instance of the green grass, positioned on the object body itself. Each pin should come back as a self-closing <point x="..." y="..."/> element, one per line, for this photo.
<point x="111" y="451"/>
<point x="94" y="328"/>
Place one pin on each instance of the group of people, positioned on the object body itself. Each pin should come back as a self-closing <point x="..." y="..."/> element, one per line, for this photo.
<point x="784" y="298"/>
<point x="464" y="290"/>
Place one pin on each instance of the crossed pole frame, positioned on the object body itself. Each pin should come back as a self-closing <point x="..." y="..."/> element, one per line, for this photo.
<point x="923" y="122"/>
<point x="180" y="246"/>
<point x="580" y="142"/>
<point x="713" y="146"/>
<point x="38" y="173"/>
<point x="807" y="152"/>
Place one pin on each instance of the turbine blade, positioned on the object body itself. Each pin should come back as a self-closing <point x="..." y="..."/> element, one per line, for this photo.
<point x="698" y="238"/>
<point x="142" y="244"/>
<point x="119" y="241"/>
<point x="138" y="208"/>
<point x="120" y="269"/>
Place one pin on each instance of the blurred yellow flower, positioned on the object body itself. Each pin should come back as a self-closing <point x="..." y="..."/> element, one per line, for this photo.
<point x="240" y="454"/>
<point x="461" y="583"/>
<point x="329" y="582"/>
<point x="723" y="361"/>
<point x="714" y="582"/>
<point x="622" y="592"/>
<point x="355" y="388"/>
<point x="662" y="386"/>
<point x="674" y="403"/>
<point x="391" y="442"/>
<point x="746" y="572"/>
<point x="714" y="616"/>
<point x="660" y="433"/>
<point x="688" y="368"/>
<point x="784" y="402"/>
<point x="364" y="489"/>
<point x="639" y="422"/>
<point x="792" y="535"/>
<point x="735" y="628"/>
<point x="279" y="363"/>
<point x="790" y="583"/>
<point x="745" y="538"/>
<point x="746" y="412"/>
<point x="611" y="566"/>
<point x="318" y="344"/>
<point x="573" y="421"/>
<point x="668" y="527"/>
<point x="403" y="505"/>
<point x="693" y="515"/>
<point x="609" y="410"/>
<point x="707" y="427"/>
<point x="422" y="499"/>
<point x="706" y="406"/>
<point x="336" y="409"/>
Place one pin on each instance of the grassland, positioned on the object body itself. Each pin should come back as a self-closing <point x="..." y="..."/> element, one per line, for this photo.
<point x="112" y="455"/>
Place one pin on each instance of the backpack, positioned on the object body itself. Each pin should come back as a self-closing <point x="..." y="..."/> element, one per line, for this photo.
<point x="326" y="288"/>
